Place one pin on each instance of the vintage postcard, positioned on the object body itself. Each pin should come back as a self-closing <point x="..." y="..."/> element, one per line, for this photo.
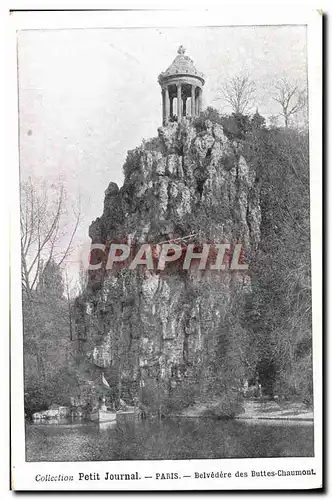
<point x="166" y="250"/>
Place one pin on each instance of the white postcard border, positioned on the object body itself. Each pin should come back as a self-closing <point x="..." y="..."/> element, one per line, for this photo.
<point x="24" y="473"/>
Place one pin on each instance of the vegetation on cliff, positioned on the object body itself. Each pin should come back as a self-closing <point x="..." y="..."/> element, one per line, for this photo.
<point x="277" y="316"/>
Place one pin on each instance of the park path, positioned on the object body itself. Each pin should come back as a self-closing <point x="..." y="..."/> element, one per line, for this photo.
<point x="271" y="410"/>
<point x="255" y="409"/>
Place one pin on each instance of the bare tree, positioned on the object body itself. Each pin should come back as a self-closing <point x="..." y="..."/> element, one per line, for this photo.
<point x="45" y="235"/>
<point x="238" y="93"/>
<point x="69" y="300"/>
<point x="273" y="121"/>
<point x="83" y="279"/>
<point x="291" y="99"/>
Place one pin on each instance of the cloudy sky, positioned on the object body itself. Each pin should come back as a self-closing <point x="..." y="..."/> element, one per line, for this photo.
<point x="87" y="96"/>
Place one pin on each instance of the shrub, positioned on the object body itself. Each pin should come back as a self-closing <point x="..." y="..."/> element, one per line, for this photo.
<point x="35" y="399"/>
<point x="235" y="126"/>
<point x="153" y="395"/>
<point x="228" y="405"/>
<point x="209" y="114"/>
<point x="132" y="161"/>
<point x="181" y="397"/>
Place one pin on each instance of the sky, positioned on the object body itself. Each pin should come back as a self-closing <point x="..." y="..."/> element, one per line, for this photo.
<point x="87" y="96"/>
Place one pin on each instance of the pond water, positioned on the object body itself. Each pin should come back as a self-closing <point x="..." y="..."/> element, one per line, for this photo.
<point x="169" y="439"/>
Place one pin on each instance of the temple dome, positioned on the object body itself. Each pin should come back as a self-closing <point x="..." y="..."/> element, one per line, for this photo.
<point x="181" y="66"/>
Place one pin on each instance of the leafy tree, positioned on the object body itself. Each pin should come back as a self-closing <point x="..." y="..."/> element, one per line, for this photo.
<point x="50" y="279"/>
<point x="257" y="121"/>
<point x="49" y="355"/>
<point x="279" y="309"/>
<point x="235" y="125"/>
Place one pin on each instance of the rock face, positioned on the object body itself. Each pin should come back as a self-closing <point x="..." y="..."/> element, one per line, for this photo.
<point x="58" y="412"/>
<point x="165" y="325"/>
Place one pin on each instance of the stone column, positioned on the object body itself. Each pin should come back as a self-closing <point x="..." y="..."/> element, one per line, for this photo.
<point x="163" y="105"/>
<point x="167" y="103"/>
<point x="200" y="92"/>
<point x="171" y="107"/>
<point x="193" y="88"/>
<point x="179" y="107"/>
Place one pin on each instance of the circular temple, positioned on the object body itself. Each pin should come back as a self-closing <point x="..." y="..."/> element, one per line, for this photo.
<point x="182" y="89"/>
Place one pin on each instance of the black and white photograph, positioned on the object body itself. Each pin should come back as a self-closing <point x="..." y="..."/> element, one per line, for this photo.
<point x="166" y="253"/>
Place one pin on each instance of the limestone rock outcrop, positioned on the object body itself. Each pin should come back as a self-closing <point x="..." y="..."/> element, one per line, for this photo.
<point x="147" y="324"/>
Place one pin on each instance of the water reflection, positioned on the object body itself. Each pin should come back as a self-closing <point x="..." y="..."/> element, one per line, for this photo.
<point x="103" y="426"/>
<point x="168" y="439"/>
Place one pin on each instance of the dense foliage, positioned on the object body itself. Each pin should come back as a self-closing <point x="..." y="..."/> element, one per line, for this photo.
<point x="279" y="310"/>
<point x="50" y="357"/>
<point x="236" y="125"/>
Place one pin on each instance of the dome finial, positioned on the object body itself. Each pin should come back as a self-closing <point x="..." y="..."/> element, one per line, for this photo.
<point x="181" y="50"/>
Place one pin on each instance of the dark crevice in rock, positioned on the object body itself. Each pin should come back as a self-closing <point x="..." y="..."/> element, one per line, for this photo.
<point x="248" y="218"/>
<point x="200" y="186"/>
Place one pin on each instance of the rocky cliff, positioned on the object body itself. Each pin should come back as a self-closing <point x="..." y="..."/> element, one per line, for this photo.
<point x="169" y="325"/>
